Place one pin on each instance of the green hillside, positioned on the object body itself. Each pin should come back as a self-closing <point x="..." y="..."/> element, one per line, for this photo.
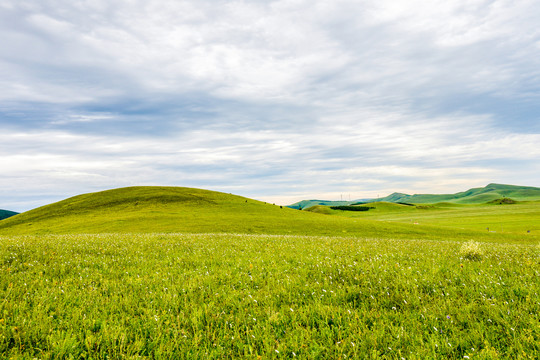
<point x="485" y="194"/>
<point x="4" y="214"/>
<point x="472" y="196"/>
<point x="184" y="210"/>
<point x="188" y="210"/>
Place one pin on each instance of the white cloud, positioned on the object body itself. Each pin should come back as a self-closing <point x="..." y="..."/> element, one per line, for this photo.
<point x="310" y="97"/>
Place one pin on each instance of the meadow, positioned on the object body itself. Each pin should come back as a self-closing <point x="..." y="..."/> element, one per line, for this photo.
<point x="179" y="273"/>
<point x="520" y="219"/>
<point x="200" y="296"/>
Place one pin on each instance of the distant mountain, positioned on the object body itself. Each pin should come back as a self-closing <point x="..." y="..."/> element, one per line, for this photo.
<point x="485" y="194"/>
<point x="491" y="192"/>
<point x="4" y="214"/>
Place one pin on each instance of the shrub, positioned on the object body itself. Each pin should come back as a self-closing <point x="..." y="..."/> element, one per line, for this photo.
<point x="471" y="250"/>
<point x="351" y="208"/>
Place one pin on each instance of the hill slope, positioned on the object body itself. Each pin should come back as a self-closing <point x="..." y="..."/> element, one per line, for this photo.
<point x="187" y="210"/>
<point x="4" y="214"/>
<point x="485" y="194"/>
<point x="472" y="196"/>
<point x="173" y="209"/>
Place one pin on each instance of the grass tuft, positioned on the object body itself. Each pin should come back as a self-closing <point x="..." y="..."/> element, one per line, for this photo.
<point x="471" y="250"/>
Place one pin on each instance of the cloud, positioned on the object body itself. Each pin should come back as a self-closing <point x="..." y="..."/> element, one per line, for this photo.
<point x="273" y="100"/>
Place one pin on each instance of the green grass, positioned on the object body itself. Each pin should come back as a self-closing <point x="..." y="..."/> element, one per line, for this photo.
<point x="471" y="196"/>
<point x="491" y="192"/>
<point x="258" y="296"/>
<point x="180" y="273"/>
<point x="518" y="220"/>
<point x="187" y="210"/>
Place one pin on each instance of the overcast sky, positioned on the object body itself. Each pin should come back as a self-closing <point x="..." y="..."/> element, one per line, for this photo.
<point x="274" y="100"/>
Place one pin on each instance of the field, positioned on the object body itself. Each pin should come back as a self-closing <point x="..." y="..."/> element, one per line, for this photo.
<point x="522" y="218"/>
<point x="176" y="273"/>
<point x="229" y="296"/>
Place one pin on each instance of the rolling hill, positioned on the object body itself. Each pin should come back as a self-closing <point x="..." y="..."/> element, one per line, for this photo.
<point x="177" y="209"/>
<point x="491" y="192"/>
<point x="472" y="196"/>
<point x="148" y="209"/>
<point x="4" y="214"/>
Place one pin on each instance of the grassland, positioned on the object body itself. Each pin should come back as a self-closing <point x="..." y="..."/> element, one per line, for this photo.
<point x="178" y="273"/>
<point x="259" y="296"/>
<point x="188" y="210"/>
<point x="520" y="219"/>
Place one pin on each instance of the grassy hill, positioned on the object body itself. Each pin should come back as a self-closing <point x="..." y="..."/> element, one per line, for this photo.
<point x="177" y="209"/>
<point x="188" y="210"/>
<point x="472" y="196"/>
<point x="491" y="192"/>
<point x="4" y="214"/>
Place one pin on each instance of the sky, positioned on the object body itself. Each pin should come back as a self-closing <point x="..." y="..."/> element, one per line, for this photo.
<point x="274" y="100"/>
